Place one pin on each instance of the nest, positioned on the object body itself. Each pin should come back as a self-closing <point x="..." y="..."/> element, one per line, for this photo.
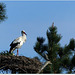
<point x="19" y="64"/>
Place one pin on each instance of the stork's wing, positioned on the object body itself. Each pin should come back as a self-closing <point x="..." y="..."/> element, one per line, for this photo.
<point x="16" y="41"/>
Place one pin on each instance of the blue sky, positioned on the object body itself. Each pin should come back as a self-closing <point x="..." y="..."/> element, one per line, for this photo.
<point x="35" y="17"/>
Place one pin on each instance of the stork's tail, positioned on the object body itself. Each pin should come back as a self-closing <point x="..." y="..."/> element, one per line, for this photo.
<point x="9" y="51"/>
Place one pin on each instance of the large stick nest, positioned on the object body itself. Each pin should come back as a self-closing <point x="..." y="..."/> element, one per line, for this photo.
<point x="19" y="64"/>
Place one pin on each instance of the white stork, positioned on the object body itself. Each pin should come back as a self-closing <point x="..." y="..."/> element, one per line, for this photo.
<point x="17" y="43"/>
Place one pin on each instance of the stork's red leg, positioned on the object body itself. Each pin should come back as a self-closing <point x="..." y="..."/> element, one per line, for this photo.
<point x="17" y="52"/>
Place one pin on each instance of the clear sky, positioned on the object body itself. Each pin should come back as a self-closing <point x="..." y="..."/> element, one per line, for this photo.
<point x="35" y="18"/>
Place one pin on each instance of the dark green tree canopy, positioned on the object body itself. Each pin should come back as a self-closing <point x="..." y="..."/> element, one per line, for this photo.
<point x="61" y="57"/>
<point x="2" y="12"/>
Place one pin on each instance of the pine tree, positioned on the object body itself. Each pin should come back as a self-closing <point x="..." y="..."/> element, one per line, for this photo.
<point x="59" y="56"/>
<point x="51" y="49"/>
<point x="2" y="12"/>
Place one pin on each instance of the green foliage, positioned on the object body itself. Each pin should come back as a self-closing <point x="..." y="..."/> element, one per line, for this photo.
<point x="59" y="56"/>
<point x="2" y="12"/>
<point x="6" y="53"/>
<point x="72" y="44"/>
<point x="73" y="60"/>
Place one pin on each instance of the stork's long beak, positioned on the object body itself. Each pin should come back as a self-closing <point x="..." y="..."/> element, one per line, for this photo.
<point x="25" y="34"/>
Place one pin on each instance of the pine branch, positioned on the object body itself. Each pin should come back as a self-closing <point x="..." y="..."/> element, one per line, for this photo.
<point x="48" y="62"/>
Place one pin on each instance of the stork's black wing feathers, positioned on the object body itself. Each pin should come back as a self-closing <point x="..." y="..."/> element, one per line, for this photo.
<point x="13" y="45"/>
<point x="16" y="41"/>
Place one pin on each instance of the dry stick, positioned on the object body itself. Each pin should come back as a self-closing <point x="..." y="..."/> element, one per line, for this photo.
<point x="7" y="65"/>
<point x="3" y="67"/>
<point x="48" y="62"/>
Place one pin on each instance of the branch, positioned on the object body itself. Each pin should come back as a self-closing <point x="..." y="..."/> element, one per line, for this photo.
<point x="48" y="62"/>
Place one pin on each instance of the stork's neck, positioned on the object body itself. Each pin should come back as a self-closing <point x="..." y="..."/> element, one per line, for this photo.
<point x="23" y="35"/>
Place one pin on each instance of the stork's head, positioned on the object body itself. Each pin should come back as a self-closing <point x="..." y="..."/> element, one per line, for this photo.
<point x="23" y="32"/>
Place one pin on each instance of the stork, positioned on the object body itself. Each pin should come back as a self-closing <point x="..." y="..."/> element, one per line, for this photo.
<point x="17" y="43"/>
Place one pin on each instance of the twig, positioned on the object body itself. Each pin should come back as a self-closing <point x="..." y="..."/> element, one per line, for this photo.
<point x="48" y="62"/>
<point x="3" y="67"/>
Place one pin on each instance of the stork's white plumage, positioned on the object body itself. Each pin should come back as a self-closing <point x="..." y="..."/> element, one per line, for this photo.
<point x="17" y="43"/>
